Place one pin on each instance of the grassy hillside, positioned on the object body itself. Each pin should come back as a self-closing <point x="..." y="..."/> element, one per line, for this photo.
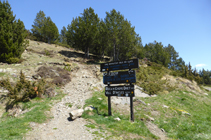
<point x="181" y="110"/>
<point x="180" y="114"/>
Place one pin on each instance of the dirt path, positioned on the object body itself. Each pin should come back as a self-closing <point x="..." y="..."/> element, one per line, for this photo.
<point x="78" y="90"/>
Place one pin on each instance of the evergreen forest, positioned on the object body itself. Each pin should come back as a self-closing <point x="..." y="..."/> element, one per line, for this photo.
<point x="113" y="36"/>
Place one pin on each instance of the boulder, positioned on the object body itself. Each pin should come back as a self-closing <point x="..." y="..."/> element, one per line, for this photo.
<point x="139" y="93"/>
<point x="117" y="119"/>
<point x="76" y="113"/>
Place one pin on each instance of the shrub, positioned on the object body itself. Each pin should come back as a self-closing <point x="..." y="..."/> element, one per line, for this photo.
<point x="150" y="78"/>
<point x="22" y="91"/>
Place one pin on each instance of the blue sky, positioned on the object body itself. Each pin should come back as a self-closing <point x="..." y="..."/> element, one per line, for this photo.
<point x="185" y="24"/>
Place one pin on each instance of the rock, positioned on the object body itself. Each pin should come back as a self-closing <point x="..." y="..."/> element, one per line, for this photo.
<point x="141" y="102"/>
<point x="165" y="106"/>
<point x="117" y="119"/>
<point x="150" y="118"/>
<point x="67" y="64"/>
<point x="84" y="76"/>
<point x="28" y="76"/>
<point x="205" y="94"/>
<point x="98" y="73"/>
<point x="14" y="112"/>
<point x="14" y="75"/>
<point x="36" y="77"/>
<point x="76" y="113"/>
<point x="145" y="65"/>
<point x="162" y="130"/>
<point x="154" y="95"/>
<point x="40" y="63"/>
<point x="4" y="91"/>
<point x="186" y="113"/>
<point x="91" y="108"/>
<point x="50" y="92"/>
<point x="139" y="93"/>
<point x="17" y="64"/>
<point x="77" y="59"/>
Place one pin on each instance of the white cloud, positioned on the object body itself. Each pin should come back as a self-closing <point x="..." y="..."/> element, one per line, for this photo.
<point x="201" y="65"/>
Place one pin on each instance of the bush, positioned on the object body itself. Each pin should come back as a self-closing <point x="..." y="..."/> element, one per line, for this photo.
<point x="12" y="60"/>
<point x="23" y="91"/>
<point x="150" y="78"/>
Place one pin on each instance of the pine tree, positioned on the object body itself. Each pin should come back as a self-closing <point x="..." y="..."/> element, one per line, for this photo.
<point x="50" y="31"/>
<point x="173" y="57"/>
<point x="37" y="28"/>
<point x="44" y="29"/>
<point x="62" y="36"/>
<point x="122" y="37"/>
<point x="189" y="69"/>
<point x="83" y="31"/>
<point x="12" y="35"/>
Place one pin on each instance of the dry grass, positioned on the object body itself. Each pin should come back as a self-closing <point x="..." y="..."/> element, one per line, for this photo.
<point x="56" y="75"/>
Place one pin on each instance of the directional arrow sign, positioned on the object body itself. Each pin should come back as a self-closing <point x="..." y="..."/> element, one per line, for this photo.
<point x="119" y="77"/>
<point x="119" y="65"/>
<point x="122" y="91"/>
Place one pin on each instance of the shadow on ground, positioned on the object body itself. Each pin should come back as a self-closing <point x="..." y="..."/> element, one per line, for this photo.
<point x="92" y="60"/>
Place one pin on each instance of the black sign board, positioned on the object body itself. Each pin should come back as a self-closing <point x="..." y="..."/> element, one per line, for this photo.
<point x="122" y="91"/>
<point x="119" y="65"/>
<point x="119" y="77"/>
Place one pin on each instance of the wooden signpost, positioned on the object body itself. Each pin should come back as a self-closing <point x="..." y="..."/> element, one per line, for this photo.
<point x="128" y="77"/>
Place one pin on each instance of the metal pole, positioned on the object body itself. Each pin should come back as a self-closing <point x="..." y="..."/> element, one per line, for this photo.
<point x="109" y="106"/>
<point x="131" y="109"/>
<point x="109" y="101"/>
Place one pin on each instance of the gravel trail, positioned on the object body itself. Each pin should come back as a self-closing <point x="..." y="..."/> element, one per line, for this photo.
<point x="60" y="127"/>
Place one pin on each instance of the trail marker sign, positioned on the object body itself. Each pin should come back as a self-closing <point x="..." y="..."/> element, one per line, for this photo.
<point x="119" y="65"/>
<point x="119" y="77"/>
<point x="121" y="91"/>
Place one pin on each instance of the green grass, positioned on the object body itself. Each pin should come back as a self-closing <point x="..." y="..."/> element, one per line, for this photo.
<point x="68" y="104"/>
<point x="15" y="127"/>
<point x="187" y="117"/>
<point x="175" y="120"/>
<point x="2" y="74"/>
<point x="116" y="129"/>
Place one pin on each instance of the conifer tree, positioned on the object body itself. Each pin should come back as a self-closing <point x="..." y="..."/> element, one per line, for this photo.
<point x="83" y="31"/>
<point x="62" y="36"/>
<point x="50" y="31"/>
<point x="44" y="29"/>
<point x="37" y="28"/>
<point x="12" y="35"/>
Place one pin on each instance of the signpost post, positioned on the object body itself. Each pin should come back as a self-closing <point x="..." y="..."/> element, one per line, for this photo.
<point x="120" y="77"/>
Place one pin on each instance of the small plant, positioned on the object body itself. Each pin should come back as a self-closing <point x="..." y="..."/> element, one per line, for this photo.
<point x="47" y="53"/>
<point x="69" y="105"/>
<point x="23" y="91"/>
<point x="67" y="67"/>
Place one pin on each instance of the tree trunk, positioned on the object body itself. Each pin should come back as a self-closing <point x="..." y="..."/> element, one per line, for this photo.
<point x="88" y="53"/>
<point x="114" y="59"/>
<point x="49" y="40"/>
<point x="102" y="55"/>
